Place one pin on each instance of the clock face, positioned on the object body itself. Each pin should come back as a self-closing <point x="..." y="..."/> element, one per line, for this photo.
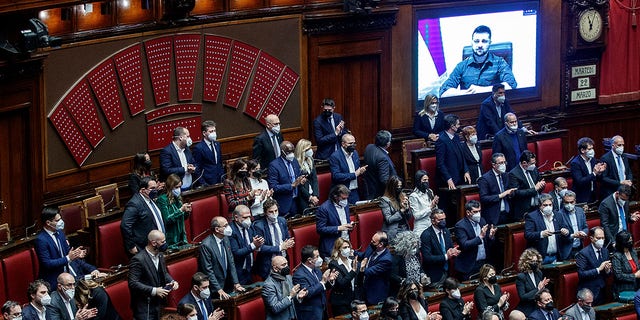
<point x="590" y="25"/>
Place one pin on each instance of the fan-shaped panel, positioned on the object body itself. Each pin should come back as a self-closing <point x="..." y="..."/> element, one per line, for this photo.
<point x="70" y="134"/>
<point x="79" y="102"/>
<point x="187" y="53"/>
<point x="159" y="56"/>
<point x="129" y="67"/>
<point x="280" y="95"/>
<point x="172" y="110"/>
<point x="216" y="54"/>
<point x="243" y="58"/>
<point x="267" y="74"/>
<point x="104" y="82"/>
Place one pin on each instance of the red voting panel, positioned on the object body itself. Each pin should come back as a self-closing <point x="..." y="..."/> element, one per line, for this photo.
<point x="267" y="74"/>
<point x="159" y="134"/>
<point x="243" y="58"/>
<point x="82" y="108"/>
<point x="70" y="134"/>
<point x="159" y="54"/>
<point x="281" y="94"/>
<point x="172" y="110"/>
<point x="104" y="82"/>
<point x="129" y="67"/>
<point x="187" y="52"/>
<point x="216" y="54"/>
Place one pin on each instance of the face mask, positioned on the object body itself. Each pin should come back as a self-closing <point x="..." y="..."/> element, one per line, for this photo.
<point x="475" y="217"/>
<point x="60" y="225"/>
<point x="70" y="293"/>
<point x="308" y="153"/>
<point x="343" y="203"/>
<point x="599" y="243"/>
<point x="442" y="224"/>
<point x="227" y="231"/>
<point x="619" y="150"/>
<point x="591" y="153"/>
<point x="147" y="163"/>
<point x="549" y="306"/>
<point x="193" y="318"/>
<point x="176" y="192"/>
<point x="346" y="252"/>
<point x="502" y="168"/>
<point x="246" y="223"/>
<point x="284" y="271"/>
<point x="393" y="313"/>
<point x="533" y="266"/>
<point x="189" y="142"/>
<point x="327" y="113"/>
<point x="423" y="186"/>
<point x="531" y="167"/>
<point x="276" y="129"/>
<point x="350" y="149"/>
<point x="290" y="157"/>
<point x="493" y="280"/>
<point x="620" y="203"/>
<point x="257" y="174"/>
<point x="569" y="207"/>
<point x="433" y="107"/>
<point x="153" y="194"/>
<point x="241" y="174"/>
<point x="629" y="244"/>
<point x="272" y="217"/>
<point x="562" y="192"/>
<point x="163" y="247"/>
<point x="18" y="318"/>
<point x="586" y="308"/>
<point x="318" y="262"/>
<point x="46" y="300"/>
<point x="456" y="294"/>
<point x="513" y="128"/>
<point x="501" y="99"/>
<point x="473" y="139"/>
<point x="204" y="294"/>
<point x="212" y="136"/>
<point x="547" y="211"/>
<point x="413" y="295"/>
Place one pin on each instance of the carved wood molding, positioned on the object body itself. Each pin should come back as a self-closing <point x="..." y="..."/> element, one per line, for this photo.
<point x="343" y="22"/>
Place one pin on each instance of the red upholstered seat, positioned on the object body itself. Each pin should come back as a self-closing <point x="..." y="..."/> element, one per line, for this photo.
<point x="569" y="182"/>
<point x="434" y="307"/>
<point x="304" y="235"/>
<point x="73" y="216"/>
<point x="202" y="211"/>
<point x="486" y="159"/>
<point x="548" y="187"/>
<point x="514" y="299"/>
<point x="472" y="196"/>
<point x="19" y="269"/>
<point x="368" y="223"/>
<point x="181" y="271"/>
<point x="519" y="243"/>
<point x="324" y="185"/>
<point x="429" y="164"/>
<point x="110" y="248"/>
<point x="469" y="297"/>
<point x="121" y="298"/>
<point x="251" y="309"/>
<point x="531" y="146"/>
<point x="547" y="152"/>
<point x="569" y="284"/>
<point x="596" y="222"/>
<point x="224" y="206"/>
<point x="3" y="292"/>
<point x="631" y="316"/>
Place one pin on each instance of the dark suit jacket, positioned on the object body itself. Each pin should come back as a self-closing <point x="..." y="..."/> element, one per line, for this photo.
<point x="451" y="309"/>
<point x="303" y="189"/>
<point x="210" y="263"/>
<point x="527" y="291"/>
<point x="449" y="160"/>
<point x="263" y="148"/>
<point x="376" y="277"/>
<point x="610" y="177"/>
<point x="189" y="298"/>
<point x="143" y="277"/>
<point x="342" y="292"/>
<point x="489" y="122"/>
<point x="623" y="278"/>
<point x="280" y="181"/>
<point x="327" y="223"/>
<point x="137" y="222"/>
<point x="52" y="263"/>
<point x="340" y="169"/>
<point x="539" y="315"/>
<point x="210" y="168"/>
<point x="379" y="169"/>
<point x="474" y="166"/>
<point x="316" y="299"/>
<point x="242" y="252"/>
<point x="433" y="260"/>
<point x="30" y="313"/>
<point x="503" y="143"/>
<point x="170" y="162"/>
<point x="609" y="217"/>
<point x="588" y="276"/>
<point x="422" y="128"/>
<point x="268" y="250"/>
<point x="534" y="224"/>
<point x="581" y="218"/>
<point x="582" y="180"/>
<point x="521" y="200"/>
<point x="57" y="310"/>
<point x="400" y="273"/>
<point x="405" y="311"/>
<point x="469" y="242"/>
<point x="325" y="135"/>
<point x="489" y="196"/>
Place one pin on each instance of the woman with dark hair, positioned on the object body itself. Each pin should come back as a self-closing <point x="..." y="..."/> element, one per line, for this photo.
<point x="344" y="288"/>
<point x="422" y="201"/>
<point x="189" y="311"/>
<point x="452" y="306"/>
<point x="428" y="122"/>
<point x="625" y="265"/>
<point x="530" y="280"/>
<point x="259" y="185"/>
<point x="174" y="212"/>
<point x="389" y="309"/>
<point x="92" y="295"/>
<point x="141" y="168"/>
<point x="413" y="306"/>
<point x="471" y="152"/>
<point x="395" y="208"/>
<point x="309" y="193"/>
<point x="237" y="187"/>
<point x="406" y="264"/>
<point x="488" y="295"/>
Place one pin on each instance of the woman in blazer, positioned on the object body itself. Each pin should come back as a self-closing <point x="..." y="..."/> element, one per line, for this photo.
<point x="471" y="152"/>
<point x="344" y="288"/>
<point x="395" y="208"/>
<point x="488" y="295"/>
<point x="529" y="280"/>
<point x="452" y="306"/>
<point x="625" y="265"/>
<point x="429" y="121"/>
<point x="309" y="193"/>
<point x="413" y="306"/>
<point x="174" y="212"/>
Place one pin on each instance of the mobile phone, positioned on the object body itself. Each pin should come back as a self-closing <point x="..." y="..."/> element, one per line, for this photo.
<point x="168" y="287"/>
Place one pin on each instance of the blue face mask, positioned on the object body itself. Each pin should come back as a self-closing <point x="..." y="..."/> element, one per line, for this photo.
<point x="176" y="192"/>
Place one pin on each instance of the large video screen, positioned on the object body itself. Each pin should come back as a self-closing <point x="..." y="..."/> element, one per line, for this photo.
<point x="463" y="50"/>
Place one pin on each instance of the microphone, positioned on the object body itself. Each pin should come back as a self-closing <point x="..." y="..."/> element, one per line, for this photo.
<point x="309" y="211"/>
<point x="548" y="126"/>
<point x="118" y="267"/>
<point x="198" y="178"/>
<point x="26" y="230"/>
<point x="567" y="308"/>
<point x="200" y="235"/>
<point x="543" y="165"/>
<point x="504" y="272"/>
<point x="113" y="197"/>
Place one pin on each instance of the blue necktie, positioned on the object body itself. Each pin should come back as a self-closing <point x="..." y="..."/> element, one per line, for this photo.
<point x="203" y="309"/>
<point x="623" y="221"/>
<point x="158" y="216"/>
<point x="223" y="255"/>
<point x="621" y="175"/>
<point x="446" y="265"/>
<point x="292" y="176"/>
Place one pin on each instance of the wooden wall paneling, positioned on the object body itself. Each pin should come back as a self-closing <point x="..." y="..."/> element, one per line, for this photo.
<point x="131" y="12"/>
<point x="239" y="5"/>
<point x="208" y="7"/>
<point x="90" y="17"/>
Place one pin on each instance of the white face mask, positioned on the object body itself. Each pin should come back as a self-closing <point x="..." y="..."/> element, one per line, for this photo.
<point x="71" y="293"/>
<point x="308" y="153"/>
<point x="272" y="217"/>
<point x="343" y="203"/>
<point x="176" y="192"/>
<point x="591" y="154"/>
<point x="619" y="150"/>
<point x="46" y="300"/>
<point x="433" y="107"/>
<point x="513" y="127"/>
<point x="502" y="168"/>
<point x="531" y="167"/>
<point x="346" y="252"/>
<point x="501" y="99"/>
<point x="547" y="211"/>
<point x="60" y="225"/>
<point x="189" y="142"/>
<point x="476" y="217"/>
<point x="276" y="129"/>
<point x="473" y="139"/>
<point x="193" y="317"/>
<point x="205" y="294"/>
<point x="212" y="136"/>
<point x="621" y="202"/>
<point x="364" y="316"/>
<point x="227" y="231"/>
<point x="456" y="294"/>
<point x="318" y="262"/>
<point x="570" y="207"/>
<point x="290" y="157"/>
<point x="599" y="243"/>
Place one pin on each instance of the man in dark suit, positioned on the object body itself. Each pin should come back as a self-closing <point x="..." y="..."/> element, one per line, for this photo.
<point x="617" y="171"/>
<point x="39" y="299"/>
<point x="11" y="310"/>
<point x="345" y="167"/>
<point x="494" y="195"/>
<point x="141" y="215"/>
<point x="273" y="229"/>
<point x="63" y="306"/>
<point x="244" y="242"/>
<point x="546" y="308"/>
<point x="585" y="171"/>
<point x="207" y="156"/>
<point x="309" y="276"/>
<point x="333" y="220"/>
<point x="510" y="141"/>
<point x="149" y="279"/>
<point x="379" y="165"/>
<point x="560" y="187"/>
<point x="527" y="181"/>
<point x="492" y="112"/>
<point x="279" y="293"/>
<point x="266" y="146"/>
<point x="437" y="248"/>
<point x="594" y="265"/>
<point x="452" y="169"/>
<point x="199" y="296"/>
<point x="614" y="213"/>
<point x="575" y="221"/>
<point x="541" y="231"/>
<point x="176" y="158"/>
<point x="55" y="256"/>
<point x="216" y="261"/>
<point x="328" y="129"/>
<point x="284" y="178"/>
<point x="475" y="237"/>
<point x="376" y="267"/>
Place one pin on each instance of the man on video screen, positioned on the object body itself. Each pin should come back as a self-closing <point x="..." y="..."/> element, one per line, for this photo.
<point x="480" y="71"/>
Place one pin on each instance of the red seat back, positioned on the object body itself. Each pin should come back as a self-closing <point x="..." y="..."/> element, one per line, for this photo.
<point x="73" y="216"/>
<point x="110" y="246"/>
<point x="3" y="289"/>
<point x="224" y="206"/>
<point x="631" y="316"/>
<point x="531" y="146"/>
<point x="569" y="284"/>
<point x="202" y="211"/>
<point x="486" y="159"/>
<point x="518" y="244"/>
<point x="121" y="298"/>
<point x="304" y="235"/>
<point x="429" y="164"/>
<point x="472" y="196"/>
<point x="548" y="188"/>
<point x="324" y="185"/>
<point x="469" y="297"/>
<point x="368" y="223"/>
<point x="548" y="152"/>
<point x="434" y="307"/>
<point x="19" y="269"/>
<point x="252" y="309"/>
<point x="514" y="299"/>
<point x="596" y="222"/>
<point x="181" y="271"/>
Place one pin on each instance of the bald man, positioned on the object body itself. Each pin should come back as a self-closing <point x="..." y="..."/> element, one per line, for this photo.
<point x="345" y="167"/>
<point x="278" y="291"/>
<point x="266" y="146"/>
<point x="617" y="172"/>
<point x="63" y="306"/>
<point x="284" y="178"/>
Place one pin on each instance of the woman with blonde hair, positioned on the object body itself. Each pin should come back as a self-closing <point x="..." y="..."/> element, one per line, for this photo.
<point x="344" y="288"/>
<point x="308" y="196"/>
<point x="428" y="122"/>
<point x="174" y="212"/>
<point x="530" y="280"/>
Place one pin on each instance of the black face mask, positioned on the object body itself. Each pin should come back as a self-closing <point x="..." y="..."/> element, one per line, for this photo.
<point x="147" y="164"/>
<point x="393" y="313"/>
<point x="350" y="148"/>
<point x="327" y="113"/>
<point x="423" y="186"/>
<point x="586" y="308"/>
<point x="549" y="306"/>
<point x="533" y="266"/>
<point x="258" y="174"/>
<point x="241" y="174"/>
<point x="163" y="247"/>
<point x="442" y="224"/>
<point x="285" y="271"/>
<point x="413" y="294"/>
<point x="493" y="280"/>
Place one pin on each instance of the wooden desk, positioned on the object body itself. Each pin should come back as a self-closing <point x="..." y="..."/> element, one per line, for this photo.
<point x="231" y="305"/>
<point x="613" y="310"/>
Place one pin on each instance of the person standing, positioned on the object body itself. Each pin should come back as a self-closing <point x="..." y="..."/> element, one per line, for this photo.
<point x="452" y="169"/>
<point x="437" y="248"/>
<point x="379" y="165"/>
<point x="492" y="112"/>
<point x="279" y="293"/>
<point x="475" y="237"/>
<point x="428" y="122"/>
<point x="309" y="276"/>
<point x="207" y="156"/>
<point x="141" y="215"/>
<point x="582" y="310"/>
<point x="617" y="171"/>
<point x="495" y="197"/>
<point x="328" y="129"/>
<point x="244" y="243"/>
<point x="266" y="145"/>
<point x="528" y="183"/>
<point x="510" y="141"/>
<point x="345" y="167"/>
<point x="594" y="266"/>
<point x="586" y="171"/>
<point x="285" y="178"/>
<point x="176" y="158"/>
<point x="333" y="220"/>
<point x="174" y="212"/>
<point x="530" y="279"/>
<point x="422" y="202"/>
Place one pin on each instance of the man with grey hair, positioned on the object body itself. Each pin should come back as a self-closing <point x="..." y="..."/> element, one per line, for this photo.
<point x="345" y="166"/>
<point x="244" y="242"/>
<point x="176" y="158"/>
<point x="560" y="186"/>
<point x="582" y="310"/>
<point x="490" y="315"/>
<point x="379" y="165"/>
<point x="11" y="310"/>
<point x="575" y="221"/>
<point x="284" y="178"/>
<point x="545" y="232"/>
<point x="617" y="172"/>
<point x="266" y="146"/>
<point x="517" y="315"/>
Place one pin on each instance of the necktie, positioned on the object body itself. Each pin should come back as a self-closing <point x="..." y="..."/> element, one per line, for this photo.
<point x="158" y="216"/>
<point x="500" y="183"/>
<point x="223" y="256"/>
<point x="333" y="126"/>
<point x="623" y="221"/>
<point x="444" y="251"/>
<point x="549" y="317"/>
<point x="292" y="177"/>
<point x="203" y="309"/>
<point x="276" y="235"/>
<point x="274" y="141"/>
<point x="247" y="263"/>
<point x="55" y="235"/>
<point x="215" y="155"/>
<point x="498" y="111"/>
<point x="598" y="255"/>
<point x="621" y="175"/>
<point x="531" y="185"/>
